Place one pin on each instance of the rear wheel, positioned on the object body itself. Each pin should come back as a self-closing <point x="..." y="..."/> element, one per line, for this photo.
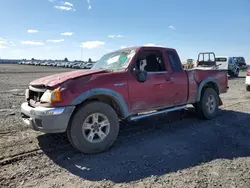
<point x="208" y="106"/>
<point x="230" y="73"/>
<point x="94" y="128"/>
<point x="248" y="87"/>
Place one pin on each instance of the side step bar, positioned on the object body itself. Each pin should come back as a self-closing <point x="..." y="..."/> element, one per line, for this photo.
<point x="141" y="116"/>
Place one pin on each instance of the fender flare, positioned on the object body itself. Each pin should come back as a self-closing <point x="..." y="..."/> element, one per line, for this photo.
<point x="203" y="83"/>
<point x="106" y="92"/>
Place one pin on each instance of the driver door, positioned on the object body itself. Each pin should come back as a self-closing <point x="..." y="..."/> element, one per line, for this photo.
<point x="156" y="91"/>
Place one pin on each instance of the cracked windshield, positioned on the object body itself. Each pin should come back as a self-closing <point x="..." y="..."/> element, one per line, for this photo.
<point x="115" y="61"/>
<point x="125" y="94"/>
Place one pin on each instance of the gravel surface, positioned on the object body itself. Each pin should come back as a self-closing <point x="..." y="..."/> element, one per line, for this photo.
<point x="174" y="150"/>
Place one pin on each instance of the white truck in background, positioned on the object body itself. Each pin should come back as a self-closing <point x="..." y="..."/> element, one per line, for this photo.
<point x="208" y="60"/>
<point x="228" y="63"/>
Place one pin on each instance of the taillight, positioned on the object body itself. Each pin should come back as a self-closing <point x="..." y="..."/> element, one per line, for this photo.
<point x="248" y="73"/>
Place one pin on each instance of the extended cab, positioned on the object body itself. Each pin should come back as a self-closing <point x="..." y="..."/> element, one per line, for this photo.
<point x="122" y="85"/>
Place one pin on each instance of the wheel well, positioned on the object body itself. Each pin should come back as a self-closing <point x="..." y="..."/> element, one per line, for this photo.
<point x="106" y="99"/>
<point x="210" y="85"/>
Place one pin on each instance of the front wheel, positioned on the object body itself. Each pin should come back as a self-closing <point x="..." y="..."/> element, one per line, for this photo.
<point x="208" y="106"/>
<point x="94" y="128"/>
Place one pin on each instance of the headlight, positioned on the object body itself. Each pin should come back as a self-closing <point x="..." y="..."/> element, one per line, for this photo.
<point x="50" y="96"/>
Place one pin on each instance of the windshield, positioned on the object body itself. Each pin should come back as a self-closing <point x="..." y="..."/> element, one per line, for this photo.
<point x="117" y="60"/>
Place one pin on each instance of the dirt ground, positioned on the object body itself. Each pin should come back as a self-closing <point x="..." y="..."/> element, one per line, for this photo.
<point x="169" y="151"/>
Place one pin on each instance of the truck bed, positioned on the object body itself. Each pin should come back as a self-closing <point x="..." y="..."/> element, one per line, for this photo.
<point x="197" y="76"/>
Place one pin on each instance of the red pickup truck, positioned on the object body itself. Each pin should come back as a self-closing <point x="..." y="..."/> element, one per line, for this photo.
<point x="122" y="85"/>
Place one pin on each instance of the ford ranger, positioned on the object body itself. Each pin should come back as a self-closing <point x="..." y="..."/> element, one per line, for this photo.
<point x="127" y="84"/>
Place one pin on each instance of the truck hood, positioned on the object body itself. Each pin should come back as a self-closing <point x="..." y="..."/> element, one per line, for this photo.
<point x="56" y="79"/>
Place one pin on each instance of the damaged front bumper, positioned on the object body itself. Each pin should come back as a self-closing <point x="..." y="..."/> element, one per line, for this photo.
<point x="48" y="120"/>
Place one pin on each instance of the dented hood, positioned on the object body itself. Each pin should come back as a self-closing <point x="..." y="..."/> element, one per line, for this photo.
<point x="56" y="79"/>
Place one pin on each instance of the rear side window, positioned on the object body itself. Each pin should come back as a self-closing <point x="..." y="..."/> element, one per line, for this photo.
<point x="222" y="59"/>
<point x="174" y="61"/>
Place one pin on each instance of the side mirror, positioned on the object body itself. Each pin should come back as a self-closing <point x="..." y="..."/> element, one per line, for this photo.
<point x="141" y="76"/>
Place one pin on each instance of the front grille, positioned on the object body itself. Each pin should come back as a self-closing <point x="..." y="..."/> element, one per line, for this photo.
<point x="35" y="94"/>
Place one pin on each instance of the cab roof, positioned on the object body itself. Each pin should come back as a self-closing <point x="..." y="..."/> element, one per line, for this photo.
<point x="148" y="47"/>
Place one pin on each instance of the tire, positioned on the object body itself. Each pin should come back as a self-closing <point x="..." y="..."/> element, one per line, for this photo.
<point x="236" y="73"/>
<point x="80" y="138"/>
<point x="248" y="87"/>
<point x="202" y="110"/>
<point x="231" y="74"/>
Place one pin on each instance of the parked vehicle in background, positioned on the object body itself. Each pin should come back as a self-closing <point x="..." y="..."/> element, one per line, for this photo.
<point x="128" y="84"/>
<point x="247" y="81"/>
<point x="208" y="60"/>
<point x="59" y="63"/>
<point x="241" y="62"/>
<point x="76" y="66"/>
<point x="228" y="63"/>
<point x="189" y="64"/>
<point x="88" y="66"/>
